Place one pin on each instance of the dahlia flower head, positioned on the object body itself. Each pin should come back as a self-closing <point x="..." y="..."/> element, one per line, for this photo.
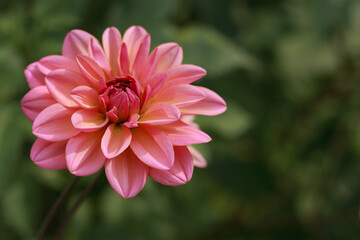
<point x="118" y="105"/>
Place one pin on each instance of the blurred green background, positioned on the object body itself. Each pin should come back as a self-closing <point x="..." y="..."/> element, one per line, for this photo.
<point x="284" y="162"/>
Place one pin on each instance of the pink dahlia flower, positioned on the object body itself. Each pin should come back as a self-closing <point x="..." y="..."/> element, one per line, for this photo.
<point x="120" y="105"/>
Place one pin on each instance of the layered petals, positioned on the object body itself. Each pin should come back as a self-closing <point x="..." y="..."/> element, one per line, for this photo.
<point x="34" y="76"/>
<point x="48" y="155"/>
<point x="184" y="74"/>
<point x="180" y="134"/>
<point x="181" y="95"/>
<point x="36" y="100"/>
<point x="61" y="82"/>
<point x="76" y="43"/>
<point x="115" y="140"/>
<point x="159" y="114"/>
<point x="180" y="173"/>
<point x="211" y="105"/>
<point x="170" y="55"/>
<point x="86" y="97"/>
<point x="54" y="123"/>
<point x="152" y="147"/>
<point x="126" y="174"/>
<point x="83" y="153"/>
<point x="89" y="121"/>
<point x="117" y="104"/>
<point x="53" y="62"/>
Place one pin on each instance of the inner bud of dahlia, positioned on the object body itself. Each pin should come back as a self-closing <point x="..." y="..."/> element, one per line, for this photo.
<point x="119" y="97"/>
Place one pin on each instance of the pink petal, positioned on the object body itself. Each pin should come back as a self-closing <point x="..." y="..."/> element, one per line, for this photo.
<point x="86" y="97"/>
<point x="170" y="55"/>
<point x="198" y="159"/>
<point x="76" y="43"/>
<point x="180" y="173"/>
<point x="141" y="57"/>
<point x="48" y="155"/>
<point x="54" y="123"/>
<point x="157" y="82"/>
<point x="36" y="100"/>
<point x="83" y="153"/>
<point x="150" y="68"/>
<point x="126" y="174"/>
<point x="211" y="105"/>
<point x="184" y="74"/>
<point x="88" y="121"/>
<point x="91" y="70"/>
<point x="116" y="139"/>
<point x="111" y="42"/>
<point x="97" y="53"/>
<point x="133" y="37"/>
<point x="152" y="147"/>
<point x="181" y="95"/>
<point x="53" y="62"/>
<point x="33" y="75"/>
<point x="60" y="84"/>
<point x="180" y="133"/>
<point x="124" y="65"/>
<point x="160" y="113"/>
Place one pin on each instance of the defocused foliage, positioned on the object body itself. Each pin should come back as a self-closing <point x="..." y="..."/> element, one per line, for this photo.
<point x="284" y="162"/>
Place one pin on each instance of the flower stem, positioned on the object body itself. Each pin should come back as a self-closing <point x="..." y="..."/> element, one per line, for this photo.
<point x="55" y="208"/>
<point x="77" y="205"/>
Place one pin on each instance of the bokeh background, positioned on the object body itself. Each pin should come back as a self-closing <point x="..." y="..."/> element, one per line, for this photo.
<point x="284" y="162"/>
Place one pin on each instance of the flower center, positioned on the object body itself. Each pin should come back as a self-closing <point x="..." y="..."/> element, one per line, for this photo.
<point x="120" y="97"/>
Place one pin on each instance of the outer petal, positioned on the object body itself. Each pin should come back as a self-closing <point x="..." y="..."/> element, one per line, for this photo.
<point x="60" y="84"/>
<point x="199" y="160"/>
<point x="76" y="43"/>
<point x="152" y="147"/>
<point x="54" y="123"/>
<point x="133" y="37"/>
<point x="182" y="134"/>
<point x="83" y="153"/>
<point x="184" y="74"/>
<point x="88" y="121"/>
<point x="115" y="140"/>
<point x="160" y="113"/>
<point x="180" y="173"/>
<point x="86" y="97"/>
<point x="181" y="95"/>
<point x="211" y="105"/>
<point x="111" y="42"/>
<point x="170" y="55"/>
<point x="36" y="100"/>
<point x="48" y="155"/>
<point x="126" y="174"/>
<point x="33" y="75"/>
<point x="53" y="62"/>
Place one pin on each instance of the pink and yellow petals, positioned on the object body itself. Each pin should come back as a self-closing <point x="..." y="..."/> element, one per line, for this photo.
<point x="116" y="139"/>
<point x="126" y="174"/>
<point x="114" y="104"/>
<point x="89" y="121"/>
